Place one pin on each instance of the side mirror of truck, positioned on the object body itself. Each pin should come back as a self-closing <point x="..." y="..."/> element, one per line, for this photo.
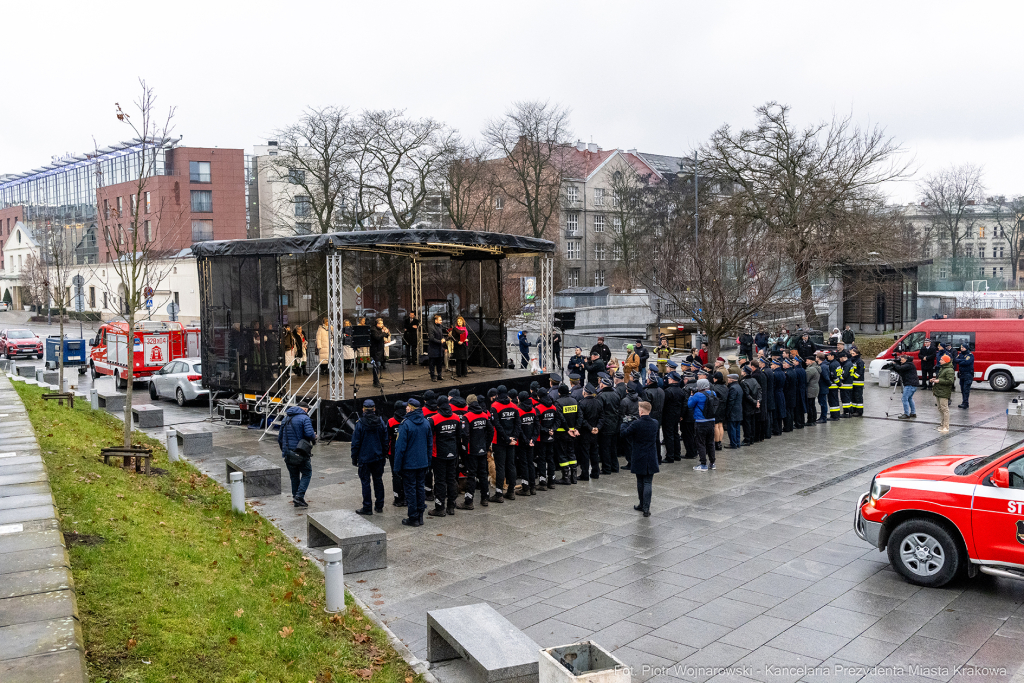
<point x="1001" y="478"/>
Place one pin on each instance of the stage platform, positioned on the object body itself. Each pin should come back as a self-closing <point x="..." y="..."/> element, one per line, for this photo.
<point x="416" y="380"/>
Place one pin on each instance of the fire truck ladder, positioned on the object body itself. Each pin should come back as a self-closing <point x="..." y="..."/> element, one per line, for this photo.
<point x="274" y="404"/>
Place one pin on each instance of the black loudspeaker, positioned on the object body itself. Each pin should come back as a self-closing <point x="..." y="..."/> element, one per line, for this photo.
<point x="361" y="336"/>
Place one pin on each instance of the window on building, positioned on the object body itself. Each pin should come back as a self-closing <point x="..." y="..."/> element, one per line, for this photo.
<point x="617" y="223"/>
<point x="202" y="231"/>
<point x="572" y="193"/>
<point x="499" y="203"/>
<point x="615" y="199"/>
<point x="997" y="252"/>
<point x="598" y="196"/>
<point x="104" y="300"/>
<point x="202" y="201"/>
<point x="598" y="223"/>
<point x="199" y="171"/>
<point x="572" y="278"/>
<point x="296" y="176"/>
<point x="572" y="250"/>
<point x="981" y="251"/>
<point x="302" y="205"/>
<point x="177" y="300"/>
<point x="969" y="251"/>
<point x="120" y="206"/>
<point x="598" y="278"/>
<point x="1000" y="271"/>
<point x="572" y="222"/>
<point x="92" y="297"/>
<point x="617" y="252"/>
<point x="147" y="231"/>
<point x="599" y="252"/>
<point x="133" y="201"/>
<point x="981" y="232"/>
<point x="149" y="203"/>
<point x="303" y="228"/>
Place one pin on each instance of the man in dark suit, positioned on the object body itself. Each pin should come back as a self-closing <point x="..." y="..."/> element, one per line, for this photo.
<point x="642" y="435"/>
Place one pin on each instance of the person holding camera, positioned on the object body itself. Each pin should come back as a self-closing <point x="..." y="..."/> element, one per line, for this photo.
<point x="296" y="439"/>
<point x="908" y="378"/>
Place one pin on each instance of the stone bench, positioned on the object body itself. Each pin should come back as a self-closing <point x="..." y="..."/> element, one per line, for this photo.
<point x="364" y="545"/>
<point x="146" y="415"/>
<point x="484" y="638"/>
<point x="260" y="477"/>
<point x="25" y="370"/>
<point x="193" y="440"/>
<point x="110" y="402"/>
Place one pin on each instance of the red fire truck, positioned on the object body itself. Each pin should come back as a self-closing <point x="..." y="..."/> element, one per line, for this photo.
<point x="154" y="344"/>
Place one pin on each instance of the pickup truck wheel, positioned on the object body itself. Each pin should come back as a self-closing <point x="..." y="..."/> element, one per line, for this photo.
<point x="924" y="553"/>
<point x="1000" y="380"/>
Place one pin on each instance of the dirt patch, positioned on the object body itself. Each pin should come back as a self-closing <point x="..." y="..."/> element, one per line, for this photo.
<point x="73" y="538"/>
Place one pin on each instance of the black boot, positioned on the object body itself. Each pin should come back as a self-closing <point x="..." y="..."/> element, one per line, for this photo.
<point x="497" y="497"/>
<point x="451" y="510"/>
<point x="564" y="481"/>
<point x="465" y="504"/>
<point x="511" y="493"/>
<point x="572" y="474"/>
<point x="436" y="512"/>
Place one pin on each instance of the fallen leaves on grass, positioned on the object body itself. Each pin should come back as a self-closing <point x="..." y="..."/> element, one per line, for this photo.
<point x="365" y="674"/>
<point x="286" y="631"/>
<point x="131" y="644"/>
<point x="239" y="612"/>
<point x="233" y="640"/>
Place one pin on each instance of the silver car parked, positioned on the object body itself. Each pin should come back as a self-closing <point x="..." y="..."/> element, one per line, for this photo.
<point x="182" y="379"/>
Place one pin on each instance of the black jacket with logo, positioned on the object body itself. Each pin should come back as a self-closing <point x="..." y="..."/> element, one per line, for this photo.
<point x="448" y="434"/>
<point x="506" y="420"/>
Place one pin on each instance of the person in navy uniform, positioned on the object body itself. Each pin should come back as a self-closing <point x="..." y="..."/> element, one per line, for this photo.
<point x="642" y="433"/>
<point x="412" y="457"/>
<point x="965" y="371"/>
<point x="369" y="445"/>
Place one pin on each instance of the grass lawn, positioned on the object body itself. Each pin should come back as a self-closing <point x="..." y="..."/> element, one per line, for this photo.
<point x="173" y="586"/>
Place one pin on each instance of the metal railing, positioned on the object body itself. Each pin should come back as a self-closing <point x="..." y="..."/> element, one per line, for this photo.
<point x="307" y="393"/>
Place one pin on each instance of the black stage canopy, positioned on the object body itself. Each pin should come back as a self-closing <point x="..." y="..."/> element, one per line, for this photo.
<point x="455" y="244"/>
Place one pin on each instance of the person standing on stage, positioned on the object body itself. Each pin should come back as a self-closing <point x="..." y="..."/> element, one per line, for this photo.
<point x="378" y="340"/>
<point x="410" y="332"/>
<point x="435" y="349"/>
<point x="556" y="349"/>
<point x="323" y="345"/>
<point x="460" y="334"/>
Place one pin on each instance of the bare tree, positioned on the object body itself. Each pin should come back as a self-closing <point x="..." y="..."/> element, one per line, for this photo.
<point x="407" y="160"/>
<point x="812" y="188"/>
<point x="534" y="140"/>
<point x="314" y="155"/>
<point x="634" y="212"/>
<point x="948" y="197"/>
<point x="59" y="247"/>
<point x="34" y="280"/>
<point x="1010" y="218"/>
<point x="468" y="190"/>
<point x="130" y="234"/>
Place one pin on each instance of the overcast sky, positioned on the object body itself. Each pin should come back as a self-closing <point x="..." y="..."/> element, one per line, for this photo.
<point x="942" y="77"/>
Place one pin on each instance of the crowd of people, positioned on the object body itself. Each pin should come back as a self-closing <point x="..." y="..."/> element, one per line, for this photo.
<point x="941" y="365"/>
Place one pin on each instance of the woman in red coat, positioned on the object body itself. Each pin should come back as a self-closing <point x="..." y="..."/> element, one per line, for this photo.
<point x="460" y="335"/>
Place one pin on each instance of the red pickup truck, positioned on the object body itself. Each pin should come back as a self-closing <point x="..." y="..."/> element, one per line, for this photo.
<point x="941" y="516"/>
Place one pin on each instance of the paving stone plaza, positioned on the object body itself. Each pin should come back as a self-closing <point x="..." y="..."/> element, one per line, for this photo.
<point x="751" y="571"/>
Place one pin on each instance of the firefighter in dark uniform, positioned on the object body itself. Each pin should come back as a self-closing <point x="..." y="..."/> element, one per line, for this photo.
<point x="556" y="380"/>
<point x="608" y="434"/>
<point x="481" y="432"/>
<point x="567" y="412"/>
<point x="687" y="423"/>
<point x="589" y="425"/>
<point x="761" y="421"/>
<point x="394" y="424"/>
<point x="790" y="392"/>
<point x="846" y="383"/>
<point x="544" y="451"/>
<point x="656" y="397"/>
<point x="620" y="385"/>
<point x="448" y="438"/>
<point x="524" y="449"/>
<point x="575" y="388"/>
<point x="505" y="417"/>
<point x="857" y="378"/>
<point x="671" y="413"/>
<point x="800" y="412"/>
<point x="769" y="374"/>
<point x="835" y="374"/>
<point x="780" y="397"/>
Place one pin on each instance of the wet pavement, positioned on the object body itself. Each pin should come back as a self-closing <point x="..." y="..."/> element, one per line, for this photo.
<point x="749" y="572"/>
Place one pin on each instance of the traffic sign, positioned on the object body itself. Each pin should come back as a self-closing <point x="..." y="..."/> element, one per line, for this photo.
<point x="172" y="310"/>
<point x="78" y="281"/>
<point x="148" y="292"/>
<point x="359" y="301"/>
<point x="359" y="289"/>
<point x="149" y="303"/>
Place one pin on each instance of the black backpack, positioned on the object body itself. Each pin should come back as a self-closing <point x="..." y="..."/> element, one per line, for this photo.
<point x="711" y="403"/>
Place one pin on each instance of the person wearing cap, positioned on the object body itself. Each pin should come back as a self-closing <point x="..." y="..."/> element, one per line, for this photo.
<point x="576" y="387"/>
<point x="296" y="427"/>
<point x="800" y="410"/>
<point x="761" y="418"/>
<point x="857" y="379"/>
<point x="554" y="380"/>
<point x="791" y="391"/>
<point x="813" y="374"/>
<point x="544" y="450"/>
<point x="835" y="375"/>
<point x="588" y="453"/>
<point x="655" y="395"/>
<point x="566" y="419"/>
<point x="805" y="347"/>
<point x="904" y="367"/>
<point x="602" y="350"/>
<point x="965" y="371"/>
<point x="506" y="427"/>
<point x="608" y="434"/>
<point x="704" y="419"/>
<point x="412" y="458"/>
<point x="663" y="352"/>
<point x="642" y="434"/>
<point x="722" y="391"/>
<point x="845" y="382"/>
<point x="480" y="429"/>
<point x="576" y="362"/>
<point x="927" y="357"/>
<point x="619" y="384"/>
<point x="779" y="418"/>
<point x="644" y="354"/>
<point x="632" y="362"/>
<point x="528" y="431"/>
<point x="733" y="409"/>
<point x="628" y="410"/>
<point x="394" y="424"/>
<point x="745" y="342"/>
<point x="671" y="413"/>
<point x="824" y="383"/>
<point x="751" y="404"/>
<point x="942" y="390"/>
<point x="369" y="444"/>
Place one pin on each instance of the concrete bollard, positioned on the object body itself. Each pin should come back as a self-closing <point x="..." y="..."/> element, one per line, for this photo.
<point x="66" y="387"/>
<point x="94" y="400"/>
<point x="237" y="493"/>
<point x="1015" y="415"/>
<point x="334" y="579"/>
<point x="172" y="444"/>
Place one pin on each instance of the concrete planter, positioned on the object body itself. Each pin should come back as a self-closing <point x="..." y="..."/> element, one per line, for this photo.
<point x="590" y="663"/>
